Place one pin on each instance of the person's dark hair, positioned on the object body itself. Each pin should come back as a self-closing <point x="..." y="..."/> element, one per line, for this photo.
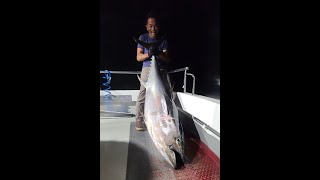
<point x="153" y="14"/>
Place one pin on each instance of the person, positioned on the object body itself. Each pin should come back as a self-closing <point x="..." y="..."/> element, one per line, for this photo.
<point x="144" y="55"/>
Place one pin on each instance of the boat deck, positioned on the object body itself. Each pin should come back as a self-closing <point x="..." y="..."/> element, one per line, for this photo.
<point x="129" y="154"/>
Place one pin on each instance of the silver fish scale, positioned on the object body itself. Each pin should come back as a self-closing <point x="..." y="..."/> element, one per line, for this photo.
<point x="160" y="114"/>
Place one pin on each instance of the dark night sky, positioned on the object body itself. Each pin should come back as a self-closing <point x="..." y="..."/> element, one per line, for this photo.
<point x="193" y="34"/>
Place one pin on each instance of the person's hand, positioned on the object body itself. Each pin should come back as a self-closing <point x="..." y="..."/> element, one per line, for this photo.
<point x="153" y="51"/>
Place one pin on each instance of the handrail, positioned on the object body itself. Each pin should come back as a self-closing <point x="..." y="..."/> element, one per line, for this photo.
<point x="139" y="72"/>
<point x="194" y="82"/>
<point x="179" y="70"/>
<point x="123" y="72"/>
<point x="185" y="69"/>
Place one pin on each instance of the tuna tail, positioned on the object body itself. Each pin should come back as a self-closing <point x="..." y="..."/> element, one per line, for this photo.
<point x="148" y="45"/>
<point x="144" y="44"/>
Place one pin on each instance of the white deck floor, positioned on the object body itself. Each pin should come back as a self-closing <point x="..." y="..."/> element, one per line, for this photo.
<point x="114" y="141"/>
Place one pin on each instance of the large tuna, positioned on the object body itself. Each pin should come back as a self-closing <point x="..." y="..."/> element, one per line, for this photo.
<point x="161" y="116"/>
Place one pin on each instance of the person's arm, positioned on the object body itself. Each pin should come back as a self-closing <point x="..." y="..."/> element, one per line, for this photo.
<point x="140" y="55"/>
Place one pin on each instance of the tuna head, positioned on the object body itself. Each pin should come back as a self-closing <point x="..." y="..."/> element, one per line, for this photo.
<point x="175" y="139"/>
<point x="167" y="137"/>
<point x="174" y="152"/>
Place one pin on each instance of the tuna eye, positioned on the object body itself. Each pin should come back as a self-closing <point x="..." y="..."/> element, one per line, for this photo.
<point x="178" y="140"/>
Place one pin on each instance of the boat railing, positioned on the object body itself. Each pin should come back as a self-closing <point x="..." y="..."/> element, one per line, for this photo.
<point x="185" y="69"/>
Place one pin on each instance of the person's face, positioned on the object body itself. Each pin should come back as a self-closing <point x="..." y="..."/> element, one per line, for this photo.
<point x="152" y="27"/>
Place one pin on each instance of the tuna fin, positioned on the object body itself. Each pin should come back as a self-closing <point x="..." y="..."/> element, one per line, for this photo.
<point x="171" y="90"/>
<point x="143" y="83"/>
<point x="144" y="44"/>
